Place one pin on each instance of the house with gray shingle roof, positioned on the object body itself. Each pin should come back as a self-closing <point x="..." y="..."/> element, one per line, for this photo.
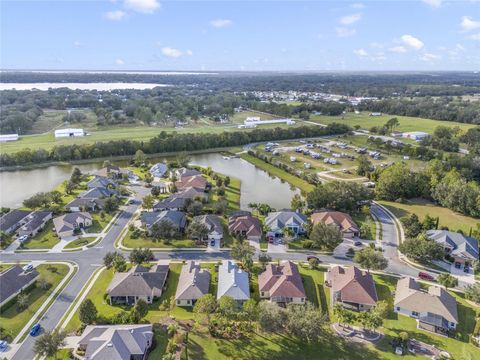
<point x="178" y="200"/>
<point x="101" y="182"/>
<point x="138" y="283"/>
<point x="233" y="282"/>
<point x="159" y="170"/>
<point x="193" y="283"/>
<point x="116" y="342"/>
<point x="13" y="280"/>
<point x="34" y="223"/>
<point x="435" y="309"/>
<point x="67" y="224"/>
<point x="12" y="220"/>
<point x="177" y="218"/>
<point x="277" y="221"/>
<point x="464" y="249"/>
<point x="214" y="225"/>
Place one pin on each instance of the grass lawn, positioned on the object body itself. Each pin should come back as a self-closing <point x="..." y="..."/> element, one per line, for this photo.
<point x="98" y="223"/>
<point x="361" y="219"/>
<point x="273" y="170"/>
<point x="11" y="319"/>
<point x="45" y="239"/>
<point x="151" y="243"/>
<point x="313" y="281"/>
<point x="453" y="220"/>
<point x="407" y="123"/>
<point x="79" y="242"/>
<point x="161" y="340"/>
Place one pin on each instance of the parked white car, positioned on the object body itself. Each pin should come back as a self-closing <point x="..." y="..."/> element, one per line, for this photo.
<point x="23" y="238"/>
<point x="27" y="268"/>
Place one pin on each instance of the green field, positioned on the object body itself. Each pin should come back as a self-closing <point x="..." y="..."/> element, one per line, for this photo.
<point x="453" y="220"/>
<point x="13" y="320"/>
<point x="45" y="239"/>
<point x="127" y="132"/>
<point x="407" y="123"/>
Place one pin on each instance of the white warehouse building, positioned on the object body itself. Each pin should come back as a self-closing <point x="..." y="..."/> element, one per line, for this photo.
<point x="253" y="121"/>
<point x="62" y="133"/>
<point x="8" y="137"/>
<point x="415" y="135"/>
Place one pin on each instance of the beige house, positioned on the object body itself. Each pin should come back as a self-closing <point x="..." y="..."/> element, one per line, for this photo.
<point x="282" y="284"/>
<point x="342" y="221"/>
<point x="434" y="309"/>
<point x="66" y="225"/>
<point x="193" y="283"/>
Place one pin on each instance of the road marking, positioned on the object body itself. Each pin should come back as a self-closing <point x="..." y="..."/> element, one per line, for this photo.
<point x="96" y="265"/>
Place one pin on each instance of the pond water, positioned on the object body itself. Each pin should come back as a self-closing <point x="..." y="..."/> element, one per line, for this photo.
<point x="257" y="185"/>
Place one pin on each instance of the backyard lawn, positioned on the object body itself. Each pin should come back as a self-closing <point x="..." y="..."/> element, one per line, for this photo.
<point x="453" y="220"/>
<point x="45" y="239"/>
<point x="13" y="320"/>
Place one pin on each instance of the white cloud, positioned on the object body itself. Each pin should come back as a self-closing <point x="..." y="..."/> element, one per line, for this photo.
<point x="115" y="15"/>
<point x="376" y="45"/>
<point x="350" y="19"/>
<point x="398" y="49"/>
<point x="360" y="52"/>
<point x="475" y="37"/>
<point x="171" y="52"/>
<point x="119" y="62"/>
<point x="357" y="6"/>
<point x="142" y="6"/>
<point x="428" y="57"/>
<point x="220" y="23"/>
<point x="189" y="52"/>
<point x="412" y="42"/>
<point x="468" y="23"/>
<point x="345" y="32"/>
<point x="433" y="3"/>
<point x="77" y="43"/>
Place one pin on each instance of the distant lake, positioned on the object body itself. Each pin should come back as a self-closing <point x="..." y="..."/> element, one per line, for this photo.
<point x="79" y="86"/>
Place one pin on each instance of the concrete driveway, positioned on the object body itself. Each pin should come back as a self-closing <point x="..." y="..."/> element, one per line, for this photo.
<point x="277" y="246"/>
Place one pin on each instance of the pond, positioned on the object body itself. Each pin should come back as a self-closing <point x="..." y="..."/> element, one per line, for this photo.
<point x="257" y="185"/>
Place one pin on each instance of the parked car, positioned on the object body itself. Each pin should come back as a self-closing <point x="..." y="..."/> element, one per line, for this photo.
<point x="466" y="269"/>
<point x="23" y="238"/>
<point x="357" y="243"/>
<point x="212" y="242"/>
<point x="35" y="329"/>
<point x="3" y="345"/>
<point x="458" y="265"/>
<point x="28" y="268"/>
<point x="425" y="276"/>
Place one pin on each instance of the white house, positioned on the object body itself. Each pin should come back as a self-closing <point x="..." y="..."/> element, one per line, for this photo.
<point x="67" y="133"/>
<point x="415" y="135"/>
<point x="233" y="282"/>
<point x="8" y="137"/>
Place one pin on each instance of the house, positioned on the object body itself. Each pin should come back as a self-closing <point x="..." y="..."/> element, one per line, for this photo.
<point x="113" y="172"/>
<point x="184" y="172"/>
<point x="12" y="220"/>
<point x="122" y="342"/>
<point x="176" y="218"/>
<point x="243" y="224"/>
<point x="68" y="224"/>
<point x="277" y="221"/>
<point x="13" y="280"/>
<point x="193" y="283"/>
<point x="464" y="249"/>
<point x="159" y="170"/>
<point x="375" y="114"/>
<point x="214" y="225"/>
<point x="178" y="200"/>
<point x="80" y="204"/>
<point x="161" y="185"/>
<point x="282" y="284"/>
<point x="351" y="287"/>
<point x="101" y="182"/>
<point x="233" y="282"/>
<point x="65" y="133"/>
<point x="138" y="283"/>
<point x="342" y="221"/>
<point x="34" y="223"/>
<point x="98" y="193"/>
<point x="434" y="309"/>
<point x="196" y="181"/>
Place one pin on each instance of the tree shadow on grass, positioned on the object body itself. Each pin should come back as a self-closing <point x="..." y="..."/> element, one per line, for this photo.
<point x="310" y="289"/>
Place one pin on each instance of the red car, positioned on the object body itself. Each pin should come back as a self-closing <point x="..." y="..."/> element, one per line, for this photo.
<point x="425" y="276"/>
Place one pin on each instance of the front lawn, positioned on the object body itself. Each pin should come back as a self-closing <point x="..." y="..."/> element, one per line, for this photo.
<point x="13" y="320"/>
<point x="453" y="220"/>
<point x="79" y="242"/>
<point x="360" y="219"/>
<point x="148" y="242"/>
<point x="99" y="223"/>
<point x="45" y="239"/>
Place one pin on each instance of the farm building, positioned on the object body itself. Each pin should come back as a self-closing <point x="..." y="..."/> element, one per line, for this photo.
<point x="8" y="137"/>
<point x="62" y="133"/>
<point x="253" y="121"/>
<point x="415" y="135"/>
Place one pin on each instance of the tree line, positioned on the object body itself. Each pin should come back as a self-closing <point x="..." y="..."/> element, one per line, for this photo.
<point x="165" y="142"/>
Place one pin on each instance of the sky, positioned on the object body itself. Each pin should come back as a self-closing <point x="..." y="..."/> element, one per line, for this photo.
<point x="240" y="35"/>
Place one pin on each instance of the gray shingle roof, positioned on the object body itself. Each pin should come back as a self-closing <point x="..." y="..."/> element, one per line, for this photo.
<point x="13" y="279"/>
<point x="177" y="218"/>
<point x="280" y="219"/>
<point x="463" y="246"/>
<point x="97" y="193"/>
<point x="100" y="181"/>
<point x="232" y="281"/>
<point x="212" y="222"/>
<point x="138" y="282"/>
<point x="69" y="221"/>
<point x="12" y="219"/>
<point x="159" y="169"/>
<point x="193" y="282"/>
<point x="35" y="219"/>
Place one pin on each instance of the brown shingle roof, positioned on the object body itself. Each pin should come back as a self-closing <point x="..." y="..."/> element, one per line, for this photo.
<point x="196" y="181"/>
<point x="355" y="286"/>
<point x="283" y="280"/>
<point x="337" y="218"/>
<point x="245" y="222"/>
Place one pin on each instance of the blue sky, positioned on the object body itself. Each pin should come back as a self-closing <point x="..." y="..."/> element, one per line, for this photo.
<point x="246" y="35"/>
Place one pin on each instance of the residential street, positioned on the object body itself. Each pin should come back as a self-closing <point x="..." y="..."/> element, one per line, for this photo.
<point x="89" y="260"/>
